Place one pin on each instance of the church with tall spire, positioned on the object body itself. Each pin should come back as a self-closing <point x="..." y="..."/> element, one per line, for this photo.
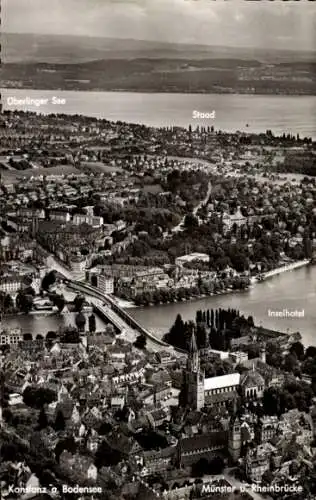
<point x="199" y="391"/>
<point x="194" y="377"/>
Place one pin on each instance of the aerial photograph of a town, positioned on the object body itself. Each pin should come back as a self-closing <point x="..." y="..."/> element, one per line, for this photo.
<point x="157" y="250"/>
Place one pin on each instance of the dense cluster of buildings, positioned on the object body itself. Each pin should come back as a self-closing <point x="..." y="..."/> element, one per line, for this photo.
<point x="103" y="412"/>
<point x="108" y="395"/>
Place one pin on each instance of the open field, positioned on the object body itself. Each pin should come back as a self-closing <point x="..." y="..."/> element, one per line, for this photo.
<point x="12" y="176"/>
<point x="99" y="167"/>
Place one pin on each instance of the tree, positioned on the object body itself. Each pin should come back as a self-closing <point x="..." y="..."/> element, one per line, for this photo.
<point x="68" y="444"/>
<point x="271" y="401"/>
<point x="48" y="280"/>
<point x="200" y="468"/>
<point x="106" y="456"/>
<point x="309" y="367"/>
<point x="274" y="354"/>
<point x="24" y="302"/>
<point x="29" y="291"/>
<point x="310" y="352"/>
<point x="4" y="392"/>
<point x="80" y="321"/>
<point x="10" y="452"/>
<point x="58" y="301"/>
<point x="216" y="465"/>
<point x="140" y="342"/>
<point x="267" y="477"/>
<point x="70" y="336"/>
<point x="212" y="318"/>
<point x="6" y="303"/>
<point x="51" y="335"/>
<point x="92" y="323"/>
<point x="109" y="330"/>
<point x="42" y="420"/>
<point x="27" y="281"/>
<point x="177" y="331"/>
<point x="297" y="348"/>
<point x="60" y="423"/>
<point x="250" y="321"/>
<point x="79" y="301"/>
<point x="290" y="362"/>
<point x="37" y="397"/>
<point x="190" y="221"/>
<point x="208" y="318"/>
<point x="253" y="351"/>
<point x="104" y="429"/>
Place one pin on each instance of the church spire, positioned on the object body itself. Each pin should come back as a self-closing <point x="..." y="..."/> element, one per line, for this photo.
<point x="193" y="358"/>
<point x="193" y="344"/>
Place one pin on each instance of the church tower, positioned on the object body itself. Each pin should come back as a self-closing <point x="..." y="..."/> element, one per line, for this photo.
<point x="234" y="438"/>
<point x="194" y="377"/>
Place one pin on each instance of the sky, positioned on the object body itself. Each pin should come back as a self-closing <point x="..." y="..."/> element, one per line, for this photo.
<point x="237" y="23"/>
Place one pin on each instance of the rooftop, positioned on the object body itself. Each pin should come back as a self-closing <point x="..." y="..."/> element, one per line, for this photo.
<point x="222" y="381"/>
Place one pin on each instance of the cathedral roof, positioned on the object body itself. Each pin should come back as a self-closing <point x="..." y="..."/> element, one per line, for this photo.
<point x="202" y="442"/>
<point x="222" y="381"/>
<point x="251" y="379"/>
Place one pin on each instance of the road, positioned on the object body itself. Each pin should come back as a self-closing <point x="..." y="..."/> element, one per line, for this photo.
<point x="205" y="200"/>
<point x="54" y="264"/>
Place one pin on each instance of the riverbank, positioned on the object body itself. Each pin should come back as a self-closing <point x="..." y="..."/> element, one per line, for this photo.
<point x="126" y="304"/>
<point x="255" y="279"/>
<point x="282" y="269"/>
<point x="131" y="305"/>
<point x="293" y="290"/>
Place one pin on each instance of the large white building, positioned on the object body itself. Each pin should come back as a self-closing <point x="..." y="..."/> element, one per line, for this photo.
<point x="201" y="391"/>
<point x="10" y="284"/>
<point x="91" y="220"/>
<point x="59" y="216"/>
<point x="78" y="268"/>
<point x="11" y="337"/>
<point x="203" y="257"/>
<point x="104" y="283"/>
<point x="236" y="218"/>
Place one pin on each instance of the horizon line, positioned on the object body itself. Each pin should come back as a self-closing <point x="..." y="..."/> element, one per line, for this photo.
<point x="244" y="47"/>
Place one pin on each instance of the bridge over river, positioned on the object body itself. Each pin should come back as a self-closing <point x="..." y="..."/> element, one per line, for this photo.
<point x="107" y="306"/>
<point x="122" y="320"/>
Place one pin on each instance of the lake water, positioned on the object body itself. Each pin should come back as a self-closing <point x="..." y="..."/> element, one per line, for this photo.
<point x="289" y="114"/>
<point x="293" y="290"/>
<point x="41" y="323"/>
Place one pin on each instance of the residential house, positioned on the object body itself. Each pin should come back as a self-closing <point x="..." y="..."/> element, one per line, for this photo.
<point x="80" y="467"/>
<point x="157" y="461"/>
<point x="258" y="462"/>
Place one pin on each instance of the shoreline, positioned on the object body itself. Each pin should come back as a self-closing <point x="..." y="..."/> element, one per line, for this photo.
<point x="126" y="304"/>
<point x="214" y="91"/>
<point x="282" y="269"/>
<point x="130" y="305"/>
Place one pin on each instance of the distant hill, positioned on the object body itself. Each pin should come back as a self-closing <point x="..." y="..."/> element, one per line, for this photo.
<point x="82" y="63"/>
<point x="76" y="49"/>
